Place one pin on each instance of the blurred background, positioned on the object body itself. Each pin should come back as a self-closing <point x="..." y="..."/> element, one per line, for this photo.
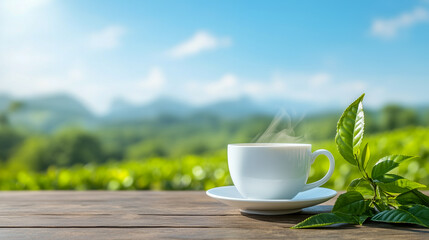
<point x="147" y="94"/>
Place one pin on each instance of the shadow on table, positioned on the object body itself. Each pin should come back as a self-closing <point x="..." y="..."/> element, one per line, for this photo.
<point x="291" y="218"/>
<point x="398" y="226"/>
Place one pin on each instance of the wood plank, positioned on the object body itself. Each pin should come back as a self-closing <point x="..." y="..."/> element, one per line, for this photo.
<point x="129" y="209"/>
<point x="378" y="232"/>
<point x="145" y="214"/>
<point x="137" y="221"/>
<point x="100" y="202"/>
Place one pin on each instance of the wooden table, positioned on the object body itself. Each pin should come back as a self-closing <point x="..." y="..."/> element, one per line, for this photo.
<point x="155" y="215"/>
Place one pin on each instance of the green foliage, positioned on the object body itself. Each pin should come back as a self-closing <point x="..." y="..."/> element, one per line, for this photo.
<point x="325" y="219"/>
<point x="394" y="116"/>
<point x="351" y="203"/>
<point x="10" y="139"/>
<point x="399" y="186"/>
<point x="37" y="160"/>
<point x="350" y="129"/>
<point x="195" y="135"/>
<point x="412" y="197"/>
<point x="25" y="158"/>
<point x="383" y="197"/>
<point x="187" y="173"/>
<point x="413" y="141"/>
<point x="31" y="155"/>
<point x="146" y="149"/>
<point x="365" y="156"/>
<point x="362" y="186"/>
<point x="387" y="164"/>
<point x="65" y="149"/>
<point x="417" y="214"/>
<point x="5" y="115"/>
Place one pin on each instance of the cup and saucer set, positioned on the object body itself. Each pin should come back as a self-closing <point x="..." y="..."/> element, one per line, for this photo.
<point x="270" y="178"/>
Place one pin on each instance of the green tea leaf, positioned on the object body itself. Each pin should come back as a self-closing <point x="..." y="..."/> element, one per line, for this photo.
<point x="381" y="205"/>
<point x="388" y="178"/>
<point x="388" y="163"/>
<point x="351" y="203"/>
<point x="399" y="186"/>
<point x="362" y="219"/>
<point x="364" y="156"/>
<point x="325" y="219"/>
<point x="350" y="130"/>
<point x="421" y="213"/>
<point x="366" y="196"/>
<point x="413" y="197"/>
<point x="362" y="186"/>
<point x="415" y="215"/>
<point x="381" y="202"/>
<point x="354" y="183"/>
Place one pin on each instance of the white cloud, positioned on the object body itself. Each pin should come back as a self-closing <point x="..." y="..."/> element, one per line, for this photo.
<point x="14" y="7"/>
<point x="40" y="55"/>
<point x="27" y="52"/>
<point x="34" y="63"/>
<point x="318" y="88"/>
<point x="107" y="38"/>
<point x="388" y="28"/>
<point x="146" y="89"/>
<point x="98" y="95"/>
<point x="25" y="60"/>
<point x="79" y="82"/>
<point x="226" y="86"/>
<point x="320" y="79"/>
<point x="199" y="42"/>
<point x="154" y="81"/>
<point x="27" y="17"/>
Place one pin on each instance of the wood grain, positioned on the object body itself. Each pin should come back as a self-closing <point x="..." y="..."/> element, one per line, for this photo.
<point x="166" y="215"/>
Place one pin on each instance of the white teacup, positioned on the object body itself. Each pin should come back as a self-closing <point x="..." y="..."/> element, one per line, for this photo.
<point x="274" y="170"/>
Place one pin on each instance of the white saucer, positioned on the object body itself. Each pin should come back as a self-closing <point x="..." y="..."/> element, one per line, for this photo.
<point x="230" y="196"/>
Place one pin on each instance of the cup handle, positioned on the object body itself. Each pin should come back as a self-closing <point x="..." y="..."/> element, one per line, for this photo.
<point x="322" y="181"/>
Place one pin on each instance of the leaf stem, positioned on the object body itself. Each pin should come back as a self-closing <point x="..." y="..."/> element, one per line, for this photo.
<point x="361" y="170"/>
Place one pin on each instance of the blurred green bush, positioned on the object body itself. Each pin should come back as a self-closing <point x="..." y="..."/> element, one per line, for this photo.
<point x="187" y="173"/>
<point x="196" y="172"/>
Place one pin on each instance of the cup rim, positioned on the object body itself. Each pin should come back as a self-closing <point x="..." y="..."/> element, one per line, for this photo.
<point x="268" y="145"/>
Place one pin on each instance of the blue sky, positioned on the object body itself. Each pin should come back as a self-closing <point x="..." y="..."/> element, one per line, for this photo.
<point x="204" y="51"/>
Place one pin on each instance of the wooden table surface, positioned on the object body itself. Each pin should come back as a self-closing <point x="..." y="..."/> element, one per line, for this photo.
<point x="163" y="215"/>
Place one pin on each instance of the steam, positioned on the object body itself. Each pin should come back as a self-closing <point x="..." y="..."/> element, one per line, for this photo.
<point x="281" y="130"/>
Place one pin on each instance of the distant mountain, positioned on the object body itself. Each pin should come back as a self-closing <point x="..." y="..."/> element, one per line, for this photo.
<point x="4" y="101"/>
<point x="122" y="110"/>
<point x="60" y="103"/>
<point x="293" y="107"/>
<point x="241" y="107"/>
<point x="48" y="113"/>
